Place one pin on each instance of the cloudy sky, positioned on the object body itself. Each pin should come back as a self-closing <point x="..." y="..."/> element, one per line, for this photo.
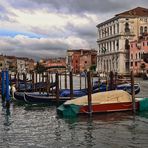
<point x="47" y="28"/>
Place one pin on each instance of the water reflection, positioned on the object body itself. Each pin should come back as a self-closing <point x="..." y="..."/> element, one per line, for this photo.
<point x="38" y="127"/>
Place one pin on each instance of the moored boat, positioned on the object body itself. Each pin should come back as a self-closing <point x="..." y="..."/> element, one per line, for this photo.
<point x="41" y="98"/>
<point x="125" y="86"/>
<point x="110" y="101"/>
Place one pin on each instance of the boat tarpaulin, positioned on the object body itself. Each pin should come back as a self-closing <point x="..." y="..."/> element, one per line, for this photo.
<point x="70" y="110"/>
<point x="143" y="104"/>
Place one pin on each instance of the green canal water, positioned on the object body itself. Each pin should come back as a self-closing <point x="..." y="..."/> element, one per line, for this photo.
<point x="40" y="127"/>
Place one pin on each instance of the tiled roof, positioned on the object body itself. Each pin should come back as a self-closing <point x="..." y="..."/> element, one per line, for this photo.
<point x="138" y="11"/>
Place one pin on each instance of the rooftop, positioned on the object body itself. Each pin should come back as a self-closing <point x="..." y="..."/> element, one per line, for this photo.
<point x="136" y="12"/>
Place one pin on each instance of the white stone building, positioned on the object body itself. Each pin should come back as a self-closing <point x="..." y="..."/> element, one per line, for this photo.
<point x="21" y="65"/>
<point x="114" y="36"/>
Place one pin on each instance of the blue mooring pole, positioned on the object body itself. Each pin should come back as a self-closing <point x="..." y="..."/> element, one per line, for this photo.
<point x="7" y="86"/>
<point x="3" y="87"/>
<point x="7" y="93"/>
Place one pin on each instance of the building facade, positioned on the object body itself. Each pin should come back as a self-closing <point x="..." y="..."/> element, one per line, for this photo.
<point x="2" y="63"/>
<point x="114" y="36"/>
<point x="80" y="60"/>
<point x="54" y="64"/>
<point x="138" y="48"/>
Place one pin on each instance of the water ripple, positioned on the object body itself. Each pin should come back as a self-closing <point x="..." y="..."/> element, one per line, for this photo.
<point x="42" y="128"/>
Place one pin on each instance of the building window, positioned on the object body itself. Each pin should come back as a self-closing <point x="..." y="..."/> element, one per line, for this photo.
<point x="141" y="29"/>
<point x="136" y="56"/>
<point x="114" y="29"/>
<point x="145" y="29"/>
<point x="127" y="46"/>
<point x="131" y="56"/>
<point x="131" y="63"/>
<point x="117" y="28"/>
<point x="127" y="27"/>
<point x="117" y="44"/>
<point x="143" y="44"/>
<point x="139" y="55"/>
<point x="110" y="30"/>
<point x="85" y="62"/>
<point x="110" y="46"/>
<point x="135" y="63"/>
<point x="114" y="45"/>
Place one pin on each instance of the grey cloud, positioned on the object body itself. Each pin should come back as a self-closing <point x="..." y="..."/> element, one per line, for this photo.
<point x="33" y="48"/>
<point x="87" y="30"/>
<point x="53" y="32"/>
<point x="81" y="6"/>
<point x="5" y="14"/>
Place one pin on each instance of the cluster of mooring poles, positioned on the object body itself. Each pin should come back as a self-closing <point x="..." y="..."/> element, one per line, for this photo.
<point x="5" y="90"/>
<point x="111" y="84"/>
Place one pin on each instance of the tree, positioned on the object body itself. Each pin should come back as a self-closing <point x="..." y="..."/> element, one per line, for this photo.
<point x="93" y="68"/>
<point x="40" y="68"/>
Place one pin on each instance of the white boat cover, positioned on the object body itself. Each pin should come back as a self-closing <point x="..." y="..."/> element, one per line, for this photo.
<point x="114" y="96"/>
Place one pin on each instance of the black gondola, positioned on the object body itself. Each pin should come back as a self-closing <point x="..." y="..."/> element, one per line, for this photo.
<point x="31" y="98"/>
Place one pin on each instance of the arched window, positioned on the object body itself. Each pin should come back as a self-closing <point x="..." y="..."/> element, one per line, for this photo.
<point x="141" y="29"/>
<point x="145" y="29"/>
<point x="139" y="55"/>
<point x="127" y="27"/>
<point x="136" y="56"/>
<point x="118" y="28"/>
<point x="127" y="46"/>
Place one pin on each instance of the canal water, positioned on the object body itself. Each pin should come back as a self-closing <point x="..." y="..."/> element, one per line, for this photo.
<point x="40" y="127"/>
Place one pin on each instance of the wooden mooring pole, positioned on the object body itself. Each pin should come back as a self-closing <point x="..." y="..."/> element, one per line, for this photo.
<point x="57" y="87"/>
<point x="133" y="92"/>
<point x="24" y="79"/>
<point x="89" y="84"/>
<point x="80" y="81"/>
<point x="33" y="85"/>
<point x="111" y="82"/>
<point x="71" y="84"/>
<point x="65" y="80"/>
<point x="48" y="83"/>
<point x="17" y="82"/>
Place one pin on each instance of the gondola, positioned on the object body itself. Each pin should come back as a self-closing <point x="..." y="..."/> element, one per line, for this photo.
<point x="126" y="87"/>
<point x="31" y="98"/>
<point x="36" y="97"/>
<point x="18" y="96"/>
<point x="37" y="86"/>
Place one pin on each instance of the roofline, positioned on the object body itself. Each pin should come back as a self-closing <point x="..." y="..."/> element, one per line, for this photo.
<point x="121" y="15"/>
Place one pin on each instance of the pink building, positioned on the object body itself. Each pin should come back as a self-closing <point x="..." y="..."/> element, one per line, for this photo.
<point x="80" y="60"/>
<point x="137" y="49"/>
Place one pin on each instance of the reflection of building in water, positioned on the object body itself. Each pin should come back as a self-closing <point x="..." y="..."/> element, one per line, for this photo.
<point x="114" y="36"/>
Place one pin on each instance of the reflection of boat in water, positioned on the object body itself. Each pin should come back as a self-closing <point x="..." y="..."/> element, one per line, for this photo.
<point x="103" y="117"/>
<point x="109" y="101"/>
